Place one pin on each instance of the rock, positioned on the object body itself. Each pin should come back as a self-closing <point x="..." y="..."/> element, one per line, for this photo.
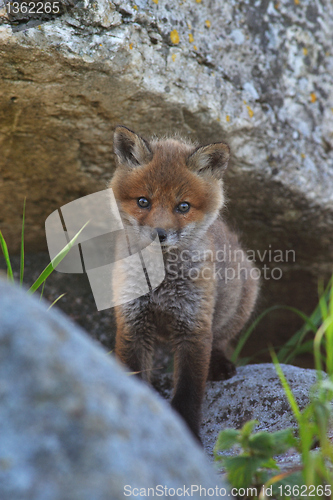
<point x="259" y="76"/>
<point x="254" y="393"/>
<point x="74" y="426"/>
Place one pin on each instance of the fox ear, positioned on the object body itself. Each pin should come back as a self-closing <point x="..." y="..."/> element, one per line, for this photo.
<point x="130" y="148"/>
<point x="212" y="158"/>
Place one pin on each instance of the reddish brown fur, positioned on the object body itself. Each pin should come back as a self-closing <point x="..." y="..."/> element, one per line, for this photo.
<point x="165" y="179"/>
<point x="196" y="316"/>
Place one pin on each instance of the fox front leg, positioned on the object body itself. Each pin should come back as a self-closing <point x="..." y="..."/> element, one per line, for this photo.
<point x="135" y="346"/>
<point x="191" y="371"/>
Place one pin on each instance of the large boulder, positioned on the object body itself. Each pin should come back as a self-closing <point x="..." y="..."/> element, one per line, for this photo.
<point x="254" y="393"/>
<point x="74" y="426"/>
<point x="258" y="75"/>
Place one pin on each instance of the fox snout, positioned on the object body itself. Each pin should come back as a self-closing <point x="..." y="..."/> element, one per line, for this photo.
<point x="162" y="234"/>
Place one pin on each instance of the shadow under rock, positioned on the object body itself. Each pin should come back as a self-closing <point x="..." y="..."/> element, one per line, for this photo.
<point x="78" y="303"/>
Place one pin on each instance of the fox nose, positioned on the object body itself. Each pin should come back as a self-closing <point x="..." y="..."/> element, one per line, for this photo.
<point x="162" y="234"/>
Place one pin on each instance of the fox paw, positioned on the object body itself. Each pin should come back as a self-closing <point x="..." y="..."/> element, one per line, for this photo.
<point x="221" y="369"/>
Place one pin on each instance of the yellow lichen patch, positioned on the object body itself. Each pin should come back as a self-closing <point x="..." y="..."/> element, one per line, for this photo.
<point x="244" y="102"/>
<point x="297" y="2"/>
<point x="302" y="156"/>
<point x="131" y="46"/>
<point x="195" y="47"/>
<point x="227" y="118"/>
<point x="332" y="110"/>
<point x="173" y="57"/>
<point x="313" y="97"/>
<point x="277" y="5"/>
<point x="174" y="37"/>
<point x="100" y="45"/>
<point x="250" y="111"/>
<point x="208" y="23"/>
<point x="190" y="38"/>
<point x="155" y="1"/>
<point x="305" y="51"/>
<point x="135" y="7"/>
<point x="198" y="1"/>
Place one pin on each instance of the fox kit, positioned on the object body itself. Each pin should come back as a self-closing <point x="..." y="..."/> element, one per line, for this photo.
<point x="209" y="290"/>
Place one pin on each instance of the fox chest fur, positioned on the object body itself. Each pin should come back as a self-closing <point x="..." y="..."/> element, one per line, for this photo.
<point x="174" y="189"/>
<point x="178" y="299"/>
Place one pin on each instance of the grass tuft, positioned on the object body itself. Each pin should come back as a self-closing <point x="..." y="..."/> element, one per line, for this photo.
<point x="49" y="268"/>
<point x="254" y="468"/>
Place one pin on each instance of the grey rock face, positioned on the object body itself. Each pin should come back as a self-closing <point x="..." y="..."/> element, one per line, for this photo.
<point x="256" y="74"/>
<point x="73" y="425"/>
<point x="254" y="393"/>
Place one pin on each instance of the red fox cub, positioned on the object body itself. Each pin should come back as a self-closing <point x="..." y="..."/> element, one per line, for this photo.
<point x="209" y="290"/>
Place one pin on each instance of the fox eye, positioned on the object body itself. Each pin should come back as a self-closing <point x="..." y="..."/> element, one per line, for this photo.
<point x="183" y="207"/>
<point x="143" y="202"/>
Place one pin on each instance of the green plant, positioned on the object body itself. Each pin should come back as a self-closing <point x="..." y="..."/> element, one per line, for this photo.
<point x="255" y="464"/>
<point x="255" y="467"/>
<point x="299" y="343"/>
<point x="49" y="268"/>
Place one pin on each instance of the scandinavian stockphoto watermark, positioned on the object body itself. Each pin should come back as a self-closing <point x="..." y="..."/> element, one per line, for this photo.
<point x="228" y="263"/>
<point x="123" y="264"/>
<point x="105" y="249"/>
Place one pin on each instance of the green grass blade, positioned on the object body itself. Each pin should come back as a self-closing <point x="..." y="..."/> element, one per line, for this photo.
<point x="326" y="329"/>
<point x="54" y="262"/>
<point x="56" y="300"/>
<point x="307" y="320"/>
<point x="322" y="302"/>
<point x="305" y="348"/>
<point x="286" y="387"/>
<point x="317" y="343"/>
<point x="329" y="335"/>
<point x="292" y="346"/>
<point x="42" y="292"/>
<point x="244" y="337"/>
<point x="7" y="259"/>
<point x="22" y="245"/>
<point x="43" y="276"/>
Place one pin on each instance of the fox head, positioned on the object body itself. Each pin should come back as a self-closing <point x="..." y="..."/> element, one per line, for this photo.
<point x="168" y="186"/>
